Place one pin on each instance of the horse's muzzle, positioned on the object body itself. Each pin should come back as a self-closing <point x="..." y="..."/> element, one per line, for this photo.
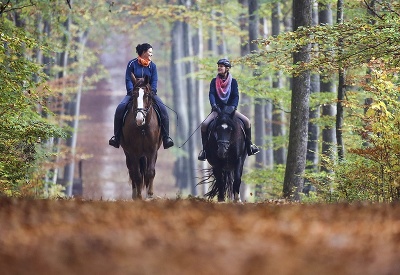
<point x="140" y="118"/>
<point x="222" y="148"/>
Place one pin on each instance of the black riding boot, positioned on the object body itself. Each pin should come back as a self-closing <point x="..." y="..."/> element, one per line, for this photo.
<point x="114" y="141"/>
<point x="202" y="154"/>
<point x="167" y="141"/>
<point x="252" y="149"/>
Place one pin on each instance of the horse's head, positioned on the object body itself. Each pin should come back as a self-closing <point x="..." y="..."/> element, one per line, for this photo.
<point x="224" y="129"/>
<point x="141" y="98"/>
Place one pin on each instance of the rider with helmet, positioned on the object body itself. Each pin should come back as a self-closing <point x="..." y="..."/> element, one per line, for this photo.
<point x="224" y="92"/>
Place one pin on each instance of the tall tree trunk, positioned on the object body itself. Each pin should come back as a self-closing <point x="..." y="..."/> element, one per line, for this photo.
<point x="245" y="101"/>
<point x="192" y="103"/>
<point x="74" y="111"/>
<point x="341" y="89"/>
<point x="267" y="136"/>
<point x="201" y="98"/>
<point x="63" y="104"/>
<point x="278" y="116"/>
<point x="328" y="110"/>
<point x="313" y="129"/>
<point x="259" y="126"/>
<point x="298" y="134"/>
<point x="181" y="166"/>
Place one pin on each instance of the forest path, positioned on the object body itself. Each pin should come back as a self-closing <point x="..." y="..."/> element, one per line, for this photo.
<point x="197" y="237"/>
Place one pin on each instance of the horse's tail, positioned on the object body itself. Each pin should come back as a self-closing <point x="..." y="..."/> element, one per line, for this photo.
<point x="226" y="186"/>
<point x="228" y="179"/>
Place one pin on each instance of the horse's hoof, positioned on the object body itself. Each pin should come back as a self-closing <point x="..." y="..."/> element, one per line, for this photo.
<point x="149" y="198"/>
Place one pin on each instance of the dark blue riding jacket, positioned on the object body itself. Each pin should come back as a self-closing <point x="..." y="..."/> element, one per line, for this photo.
<point x="140" y="71"/>
<point x="233" y="98"/>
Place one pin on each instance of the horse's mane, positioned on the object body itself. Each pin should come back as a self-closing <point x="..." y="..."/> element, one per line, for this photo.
<point x="139" y="83"/>
<point x="225" y="118"/>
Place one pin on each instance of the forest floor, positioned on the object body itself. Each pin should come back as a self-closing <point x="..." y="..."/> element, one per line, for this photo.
<point x="197" y="237"/>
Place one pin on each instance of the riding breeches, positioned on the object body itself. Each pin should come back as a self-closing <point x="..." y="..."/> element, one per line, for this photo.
<point x="213" y="115"/>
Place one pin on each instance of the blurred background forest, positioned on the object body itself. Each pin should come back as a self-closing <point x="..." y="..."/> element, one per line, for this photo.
<point x="318" y="79"/>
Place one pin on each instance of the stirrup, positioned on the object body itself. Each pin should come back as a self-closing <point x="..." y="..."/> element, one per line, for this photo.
<point x="202" y="155"/>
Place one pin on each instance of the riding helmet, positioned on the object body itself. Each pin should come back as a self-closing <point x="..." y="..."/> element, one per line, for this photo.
<point x="224" y="62"/>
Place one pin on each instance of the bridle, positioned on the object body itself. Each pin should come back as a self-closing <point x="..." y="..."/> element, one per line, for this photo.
<point x="140" y="109"/>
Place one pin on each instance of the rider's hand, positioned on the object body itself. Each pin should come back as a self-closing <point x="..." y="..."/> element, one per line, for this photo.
<point x="215" y="108"/>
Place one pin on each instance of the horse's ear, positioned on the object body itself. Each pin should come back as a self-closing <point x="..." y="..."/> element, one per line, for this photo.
<point x="133" y="78"/>
<point x="146" y="79"/>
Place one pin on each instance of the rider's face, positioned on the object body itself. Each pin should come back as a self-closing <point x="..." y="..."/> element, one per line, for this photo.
<point x="221" y="69"/>
<point x="147" y="54"/>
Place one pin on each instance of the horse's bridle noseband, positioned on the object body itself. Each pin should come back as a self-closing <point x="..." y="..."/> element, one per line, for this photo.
<point x="143" y="111"/>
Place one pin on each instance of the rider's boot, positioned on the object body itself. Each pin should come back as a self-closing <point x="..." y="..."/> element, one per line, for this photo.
<point x="202" y="154"/>
<point x="252" y="149"/>
<point x="114" y="141"/>
<point x="167" y="141"/>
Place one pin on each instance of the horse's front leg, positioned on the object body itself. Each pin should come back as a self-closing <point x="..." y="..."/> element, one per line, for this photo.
<point x="136" y="178"/>
<point x="136" y="184"/>
<point x="237" y="180"/>
<point x="220" y="184"/>
<point x="150" y="175"/>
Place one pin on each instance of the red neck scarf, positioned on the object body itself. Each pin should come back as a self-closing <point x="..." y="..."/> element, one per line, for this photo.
<point x="144" y="62"/>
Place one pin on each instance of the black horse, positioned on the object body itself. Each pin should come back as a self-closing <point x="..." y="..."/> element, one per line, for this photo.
<point x="226" y="153"/>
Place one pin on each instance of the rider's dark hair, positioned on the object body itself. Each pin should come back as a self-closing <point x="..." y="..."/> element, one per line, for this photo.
<point x="141" y="48"/>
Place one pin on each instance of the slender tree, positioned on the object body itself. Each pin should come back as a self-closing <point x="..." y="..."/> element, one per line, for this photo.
<point x="341" y="89"/>
<point x="313" y="129"/>
<point x="328" y="109"/>
<point x="278" y="116"/>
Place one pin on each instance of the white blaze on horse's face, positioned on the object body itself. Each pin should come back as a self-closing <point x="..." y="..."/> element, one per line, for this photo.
<point x="140" y="118"/>
<point x="224" y="126"/>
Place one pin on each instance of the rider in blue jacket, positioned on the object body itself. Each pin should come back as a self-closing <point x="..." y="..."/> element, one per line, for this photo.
<point x="140" y="67"/>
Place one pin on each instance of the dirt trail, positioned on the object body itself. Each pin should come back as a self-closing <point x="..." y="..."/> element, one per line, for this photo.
<point x="194" y="237"/>
<point x="105" y="175"/>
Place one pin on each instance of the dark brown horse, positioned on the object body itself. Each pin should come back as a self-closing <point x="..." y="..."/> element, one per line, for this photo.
<point x="226" y="153"/>
<point x="141" y="138"/>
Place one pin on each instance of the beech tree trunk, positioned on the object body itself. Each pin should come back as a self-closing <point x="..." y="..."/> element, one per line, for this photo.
<point x="328" y="110"/>
<point x="298" y="134"/>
